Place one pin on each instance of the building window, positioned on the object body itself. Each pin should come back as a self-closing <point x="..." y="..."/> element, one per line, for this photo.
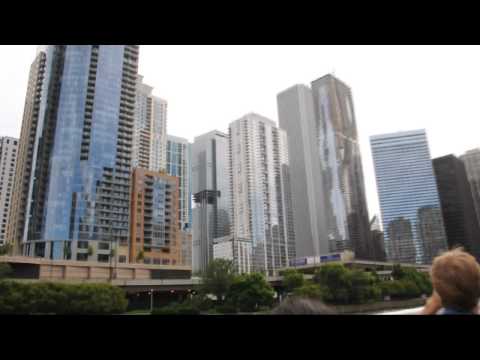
<point x="103" y="246"/>
<point x="82" y="257"/>
<point x="82" y="245"/>
<point x="103" y="258"/>
<point x="122" y="259"/>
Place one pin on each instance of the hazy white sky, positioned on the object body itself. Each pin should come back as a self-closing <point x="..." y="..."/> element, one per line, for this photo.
<point x="394" y="88"/>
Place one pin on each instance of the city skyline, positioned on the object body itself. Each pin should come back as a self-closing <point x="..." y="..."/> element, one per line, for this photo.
<point x="394" y="88"/>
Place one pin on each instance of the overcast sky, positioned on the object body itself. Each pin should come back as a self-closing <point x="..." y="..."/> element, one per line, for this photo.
<point x="394" y="88"/>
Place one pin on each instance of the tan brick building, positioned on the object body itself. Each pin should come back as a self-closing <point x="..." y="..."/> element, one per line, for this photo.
<point x="155" y="237"/>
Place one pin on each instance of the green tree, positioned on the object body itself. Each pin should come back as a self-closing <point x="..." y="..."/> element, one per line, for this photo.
<point x="251" y="291"/>
<point x="292" y="279"/>
<point x="335" y="281"/>
<point x="312" y="291"/>
<point x="415" y="282"/>
<point x="398" y="272"/>
<point x="5" y="249"/>
<point x="363" y="287"/>
<point x="218" y="278"/>
<point x="5" y="270"/>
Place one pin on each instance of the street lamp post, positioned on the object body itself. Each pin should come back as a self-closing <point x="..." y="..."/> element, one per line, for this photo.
<point x="151" y="300"/>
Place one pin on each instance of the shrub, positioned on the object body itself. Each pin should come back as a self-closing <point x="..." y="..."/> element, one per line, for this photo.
<point x="5" y="270"/>
<point x="5" y="249"/>
<point x="311" y="291"/>
<point x="227" y="308"/>
<point x="185" y="308"/>
<point x="54" y="298"/>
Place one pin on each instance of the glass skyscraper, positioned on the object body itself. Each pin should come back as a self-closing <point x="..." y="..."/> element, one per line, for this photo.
<point x="409" y="200"/>
<point x="179" y="165"/>
<point x="75" y="152"/>
<point x="211" y="194"/>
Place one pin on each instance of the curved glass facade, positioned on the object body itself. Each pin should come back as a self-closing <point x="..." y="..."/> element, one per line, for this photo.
<point x="80" y="189"/>
<point x="407" y="189"/>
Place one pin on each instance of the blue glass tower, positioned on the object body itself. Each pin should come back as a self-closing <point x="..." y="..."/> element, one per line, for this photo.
<point x="179" y="165"/>
<point x="411" y="213"/>
<point x="78" y="189"/>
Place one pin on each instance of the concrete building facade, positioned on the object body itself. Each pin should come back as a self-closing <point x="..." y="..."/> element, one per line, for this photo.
<point x="239" y="251"/>
<point x="8" y="161"/>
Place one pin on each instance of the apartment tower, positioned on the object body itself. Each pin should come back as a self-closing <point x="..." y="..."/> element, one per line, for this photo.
<point x="150" y="130"/>
<point x="75" y="152"/>
<point x="8" y="161"/>
<point x="261" y="196"/>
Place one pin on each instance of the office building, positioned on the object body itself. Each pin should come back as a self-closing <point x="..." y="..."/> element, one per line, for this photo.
<point x="75" y="152"/>
<point x="239" y="251"/>
<point x="409" y="201"/>
<point x="328" y="191"/>
<point x="261" y="196"/>
<point x="376" y="239"/>
<point x="458" y="209"/>
<point x="179" y="165"/>
<point x="150" y="130"/>
<point x="471" y="159"/>
<point x="154" y="234"/>
<point x="211" y="195"/>
<point x="8" y="160"/>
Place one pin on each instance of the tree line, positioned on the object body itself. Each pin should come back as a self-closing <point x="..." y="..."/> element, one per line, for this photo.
<point x="333" y="284"/>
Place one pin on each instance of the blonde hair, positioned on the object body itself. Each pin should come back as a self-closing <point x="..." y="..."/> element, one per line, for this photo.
<point x="456" y="279"/>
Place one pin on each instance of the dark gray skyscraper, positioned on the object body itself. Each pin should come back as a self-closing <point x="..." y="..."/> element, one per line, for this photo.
<point x="330" y="208"/>
<point x="75" y="152"/>
<point x="211" y="194"/>
<point x="458" y="210"/>
<point x="411" y="213"/>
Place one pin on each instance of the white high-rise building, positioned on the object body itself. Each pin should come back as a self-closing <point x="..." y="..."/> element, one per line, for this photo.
<point x="150" y="135"/>
<point x="8" y="159"/>
<point x="260" y="186"/>
<point x="237" y="250"/>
